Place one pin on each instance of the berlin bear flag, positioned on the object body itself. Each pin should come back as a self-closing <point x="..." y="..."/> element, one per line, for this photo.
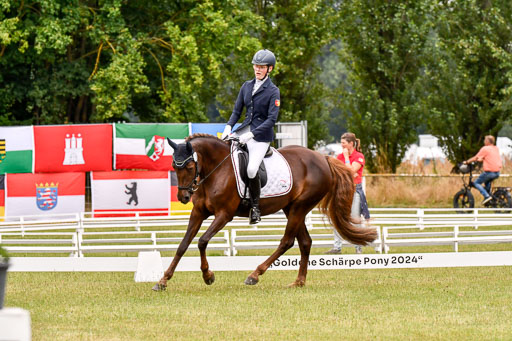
<point x="45" y="193"/>
<point x="144" y="146"/>
<point x="73" y="148"/>
<point x="130" y="191"/>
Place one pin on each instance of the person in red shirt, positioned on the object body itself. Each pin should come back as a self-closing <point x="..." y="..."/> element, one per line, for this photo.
<point x="353" y="158"/>
<point x="489" y="154"/>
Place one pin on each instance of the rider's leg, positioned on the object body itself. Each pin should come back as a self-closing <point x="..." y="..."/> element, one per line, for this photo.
<point x="484" y="178"/>
<point x="257" y="151"/>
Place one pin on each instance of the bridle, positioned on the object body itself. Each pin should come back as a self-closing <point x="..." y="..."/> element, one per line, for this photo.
<point x="194" y="185"/>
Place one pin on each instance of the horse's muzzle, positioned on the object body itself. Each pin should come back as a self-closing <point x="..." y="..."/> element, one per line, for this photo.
<point x="184" y="198"/>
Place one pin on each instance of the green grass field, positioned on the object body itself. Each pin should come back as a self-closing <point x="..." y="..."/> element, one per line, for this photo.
<point x="392" y="304"/>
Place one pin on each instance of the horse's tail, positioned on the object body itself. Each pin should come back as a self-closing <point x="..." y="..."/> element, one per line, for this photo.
<point x="337" y="204"/>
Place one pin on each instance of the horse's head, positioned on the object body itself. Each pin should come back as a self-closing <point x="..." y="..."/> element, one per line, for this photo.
<point x="185" y="164"/>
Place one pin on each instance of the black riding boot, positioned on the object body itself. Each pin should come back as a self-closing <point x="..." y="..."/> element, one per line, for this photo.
<point x="254" y="190"/>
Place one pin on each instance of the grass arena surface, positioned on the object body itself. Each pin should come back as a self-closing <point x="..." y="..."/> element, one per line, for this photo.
<point x="390" y="304"/>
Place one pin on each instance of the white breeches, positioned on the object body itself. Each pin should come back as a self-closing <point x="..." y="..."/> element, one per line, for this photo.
<point x="257" y="151"/>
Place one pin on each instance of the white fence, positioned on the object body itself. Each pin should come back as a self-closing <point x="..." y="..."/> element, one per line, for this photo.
<point x="80" y="234"/>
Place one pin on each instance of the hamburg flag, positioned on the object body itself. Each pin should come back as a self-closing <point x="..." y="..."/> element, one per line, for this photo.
<point x="146" y="192"/>
<point x="16" y="149"/>
<point x="48" y="193"/>
<point x="73" y="148"/>
<point x="144" y="146"/>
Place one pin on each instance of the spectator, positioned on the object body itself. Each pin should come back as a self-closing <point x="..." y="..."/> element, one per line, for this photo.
<point x="353" y="158"/>
<point x="489" y="154"/>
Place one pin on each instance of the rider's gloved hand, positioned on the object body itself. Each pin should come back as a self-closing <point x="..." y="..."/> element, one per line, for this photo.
<point x="227" y="131"/>
<point x="244" y="138"/>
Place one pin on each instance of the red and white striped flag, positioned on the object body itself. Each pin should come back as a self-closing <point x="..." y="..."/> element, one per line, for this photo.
<point x="44" y="193"/>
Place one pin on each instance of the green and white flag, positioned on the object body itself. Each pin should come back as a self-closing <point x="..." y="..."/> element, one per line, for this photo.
<point x="144" y="146"/>
<point x="16" y="149"/>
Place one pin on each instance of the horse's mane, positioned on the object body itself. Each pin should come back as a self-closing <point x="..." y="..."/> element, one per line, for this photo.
<point x="203" y="135"/>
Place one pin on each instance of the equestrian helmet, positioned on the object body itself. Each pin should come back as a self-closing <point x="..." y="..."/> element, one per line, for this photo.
<point x="264" y="57"/>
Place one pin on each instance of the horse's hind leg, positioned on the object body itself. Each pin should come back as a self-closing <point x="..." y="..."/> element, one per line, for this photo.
<point x="305" y="242"/>
<point x="292" y="227"/>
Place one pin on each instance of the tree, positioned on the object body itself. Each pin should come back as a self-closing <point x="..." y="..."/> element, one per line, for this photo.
<point x="384" y="42"/>
<point x="96" y="61"/>
<point x="469" y="74"/>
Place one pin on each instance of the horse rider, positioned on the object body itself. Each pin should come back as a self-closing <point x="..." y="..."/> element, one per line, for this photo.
<point x="261" y="99"/>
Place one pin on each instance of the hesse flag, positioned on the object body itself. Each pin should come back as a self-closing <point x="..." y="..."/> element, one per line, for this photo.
<point x="144" y="146"/>
<point x="49" y="193"/>
<point x="130" y="191"/>
<point x="73" y="148"/>
<point x="16" y="149"/>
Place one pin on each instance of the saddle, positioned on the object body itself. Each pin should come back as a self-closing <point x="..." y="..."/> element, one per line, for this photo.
<point x="243" y="159"/>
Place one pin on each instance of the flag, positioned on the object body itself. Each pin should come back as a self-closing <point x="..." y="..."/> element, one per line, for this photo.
<point x="73" y="148"/>
<point x="16" y="149"/>
<point x="2" y="195"/>
<point x="46" y="193"/>
<point x="176" y="205"/>
<point x="144" y="146"/>
<point x="215" y="129"/>
<point x="130" y="191"/>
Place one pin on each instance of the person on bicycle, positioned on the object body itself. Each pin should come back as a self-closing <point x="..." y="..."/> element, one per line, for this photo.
<point x="489" y="154"/>
<point x="261" y="99"/>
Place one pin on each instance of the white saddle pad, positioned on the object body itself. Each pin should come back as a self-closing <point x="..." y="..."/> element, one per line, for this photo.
<point x="279" y="175"/>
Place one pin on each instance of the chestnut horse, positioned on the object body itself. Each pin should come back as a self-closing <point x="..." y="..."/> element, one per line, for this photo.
<point x="206" y="176"/>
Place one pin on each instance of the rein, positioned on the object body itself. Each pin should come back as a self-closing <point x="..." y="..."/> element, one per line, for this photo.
<point x="194" y="185"/>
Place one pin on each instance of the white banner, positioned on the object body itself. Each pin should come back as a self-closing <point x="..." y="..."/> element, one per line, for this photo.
<point x="249" y="263"/>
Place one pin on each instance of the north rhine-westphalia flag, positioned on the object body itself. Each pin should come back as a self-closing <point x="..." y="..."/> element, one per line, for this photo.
<point x="73" y="148"/>
<point x="144" y="146"/>
<point x="121" y="193"/>
<point x="16" y="149"/>
<point x="45" y="193"/>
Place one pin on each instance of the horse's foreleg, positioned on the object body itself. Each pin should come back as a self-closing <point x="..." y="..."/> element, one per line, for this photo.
<point x="218" y="224"/>
<point x="305" y="242"/>
<point x="285" y="244"/>
<point x="196" y="219"/>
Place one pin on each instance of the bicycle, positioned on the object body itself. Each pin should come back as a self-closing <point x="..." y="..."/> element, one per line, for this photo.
<point x="501" y="197"/>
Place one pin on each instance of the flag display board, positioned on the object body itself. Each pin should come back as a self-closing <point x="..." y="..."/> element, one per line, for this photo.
<point x="16" y="149"/>
<point x="44" y="193"/>
<point x="73" y="148"/>
<point x="144" y="146"/>
<point x="146" y="192"/>
<point x="2" y="195"/>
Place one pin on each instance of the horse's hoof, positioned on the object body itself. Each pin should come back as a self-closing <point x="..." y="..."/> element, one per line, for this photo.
<point x="159" y="287"/>
<point x="296" y="285"/>
<point x="210" y="280"/>
<point x="251" y="281"/>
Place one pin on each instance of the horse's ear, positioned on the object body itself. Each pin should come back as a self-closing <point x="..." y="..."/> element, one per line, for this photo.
<point x="189" y="147"/>
<point x="172" y="144"/>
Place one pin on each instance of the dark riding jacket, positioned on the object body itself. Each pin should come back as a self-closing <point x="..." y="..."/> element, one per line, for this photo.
<point x="262" y="109"/>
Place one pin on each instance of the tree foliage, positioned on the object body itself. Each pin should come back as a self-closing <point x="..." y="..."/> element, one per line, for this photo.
<point x="95" y="61"/>
<point x="384" y="43"/>
<point x="469" y="74"/>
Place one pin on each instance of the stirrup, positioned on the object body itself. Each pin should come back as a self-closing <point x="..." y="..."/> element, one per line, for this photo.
<point x="254" y="216"/>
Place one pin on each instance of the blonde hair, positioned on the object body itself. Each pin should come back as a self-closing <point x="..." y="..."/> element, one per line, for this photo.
<point x="351" y="137"/>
